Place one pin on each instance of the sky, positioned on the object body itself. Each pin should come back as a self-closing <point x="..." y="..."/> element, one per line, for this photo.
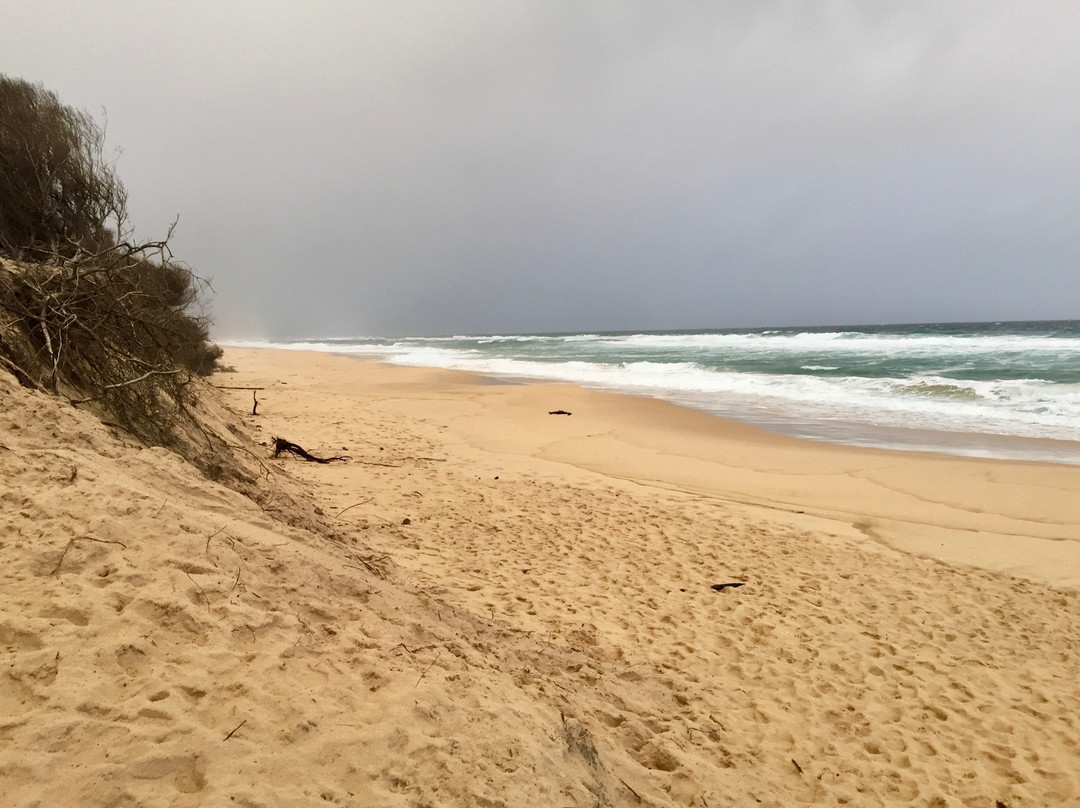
<point x="424" y="168"/>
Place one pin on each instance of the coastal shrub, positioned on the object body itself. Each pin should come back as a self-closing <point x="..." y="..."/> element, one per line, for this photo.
<point x="104" y="337"/>
<point x="85" y="311"/>
<point x="58" y="191"/>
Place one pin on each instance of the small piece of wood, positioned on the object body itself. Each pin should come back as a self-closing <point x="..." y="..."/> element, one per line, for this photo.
<point x="355" y="504"/>
<point x="429" y="667"/>
<point x="733" y="584"/>
<point x="559" y="412"/>
<point x="71" y="543"/>
<point x="201" y="591"/>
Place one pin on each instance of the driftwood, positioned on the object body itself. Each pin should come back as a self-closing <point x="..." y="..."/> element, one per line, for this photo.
<point x="281" y="445"/>
<point x="559" y="412"/>
<point x="733" y="585"/>
<point x="71" y="543"/>
<point x="254" y="398"/>
<point x="235" y="728"/>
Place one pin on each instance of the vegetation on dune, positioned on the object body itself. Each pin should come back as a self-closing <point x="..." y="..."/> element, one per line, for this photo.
<point x="59" y="192"/>
<point x="85" y="310"/>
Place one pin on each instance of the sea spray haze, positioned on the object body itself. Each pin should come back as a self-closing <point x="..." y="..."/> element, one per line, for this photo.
<point x="968" y="388"/>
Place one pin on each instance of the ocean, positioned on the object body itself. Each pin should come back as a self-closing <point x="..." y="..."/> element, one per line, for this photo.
<point x="1009" y="389"/>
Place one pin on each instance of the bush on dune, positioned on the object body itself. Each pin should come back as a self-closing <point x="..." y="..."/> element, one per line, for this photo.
<point x="59" y="192"/>
<point x="85" y="311"/>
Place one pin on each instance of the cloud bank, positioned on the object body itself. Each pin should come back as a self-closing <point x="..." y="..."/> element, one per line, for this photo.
<point x="426" y="168"/>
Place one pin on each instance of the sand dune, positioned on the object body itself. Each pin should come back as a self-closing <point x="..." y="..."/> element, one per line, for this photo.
<point x="501" y="607"/>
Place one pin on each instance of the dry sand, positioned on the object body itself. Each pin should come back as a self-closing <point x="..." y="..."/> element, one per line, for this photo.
<point x="511" y="608"/>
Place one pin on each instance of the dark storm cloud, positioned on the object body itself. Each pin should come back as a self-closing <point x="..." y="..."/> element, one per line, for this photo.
<point x="350" y="168"/>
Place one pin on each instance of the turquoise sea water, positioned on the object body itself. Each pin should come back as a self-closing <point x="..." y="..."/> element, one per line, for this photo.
<point x="992" y="389"/>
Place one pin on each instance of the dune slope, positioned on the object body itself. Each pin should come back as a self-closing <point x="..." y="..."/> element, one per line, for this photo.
<point x="459" y="619"/>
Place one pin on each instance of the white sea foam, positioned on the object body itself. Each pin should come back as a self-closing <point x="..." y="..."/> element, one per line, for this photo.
<point x="850" y="342"/>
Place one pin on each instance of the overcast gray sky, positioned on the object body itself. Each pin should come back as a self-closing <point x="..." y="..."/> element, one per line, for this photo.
<point x="391" y="168"/>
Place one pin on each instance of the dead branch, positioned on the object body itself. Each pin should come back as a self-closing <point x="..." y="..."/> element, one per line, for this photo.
<point x="70" y="543"/>
<point x="188" y="574"/>
<point x="254" y="398"/>
<point x="265" y="468"/>
<point x="382" y="519"/>
<point x="136" y="380"/>
<point x="639" y="797"/>
<point x="21" y="375"/>
<point x="429" y="667"/>
<point x="368" y="564"/>
<point x="415" y="650"/>
<point x="281" y="445"/>
<point x="211" y="536"/>
<point x="235" y="729"/>
<point x="354" y="505"/>
<point x="13" y="452"/>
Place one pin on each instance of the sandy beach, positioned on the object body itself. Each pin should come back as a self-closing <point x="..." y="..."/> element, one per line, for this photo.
<point x="492" y="605"/>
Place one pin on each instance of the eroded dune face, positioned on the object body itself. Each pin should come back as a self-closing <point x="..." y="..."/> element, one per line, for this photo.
<point x="474" y="619"/>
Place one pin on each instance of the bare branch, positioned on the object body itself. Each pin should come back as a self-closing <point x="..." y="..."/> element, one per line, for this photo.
<point x="145" y="376"/>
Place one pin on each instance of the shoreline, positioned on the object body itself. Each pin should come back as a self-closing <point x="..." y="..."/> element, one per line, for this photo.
<point x="1018" y="517"/>
<point x="851" y="433"/>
